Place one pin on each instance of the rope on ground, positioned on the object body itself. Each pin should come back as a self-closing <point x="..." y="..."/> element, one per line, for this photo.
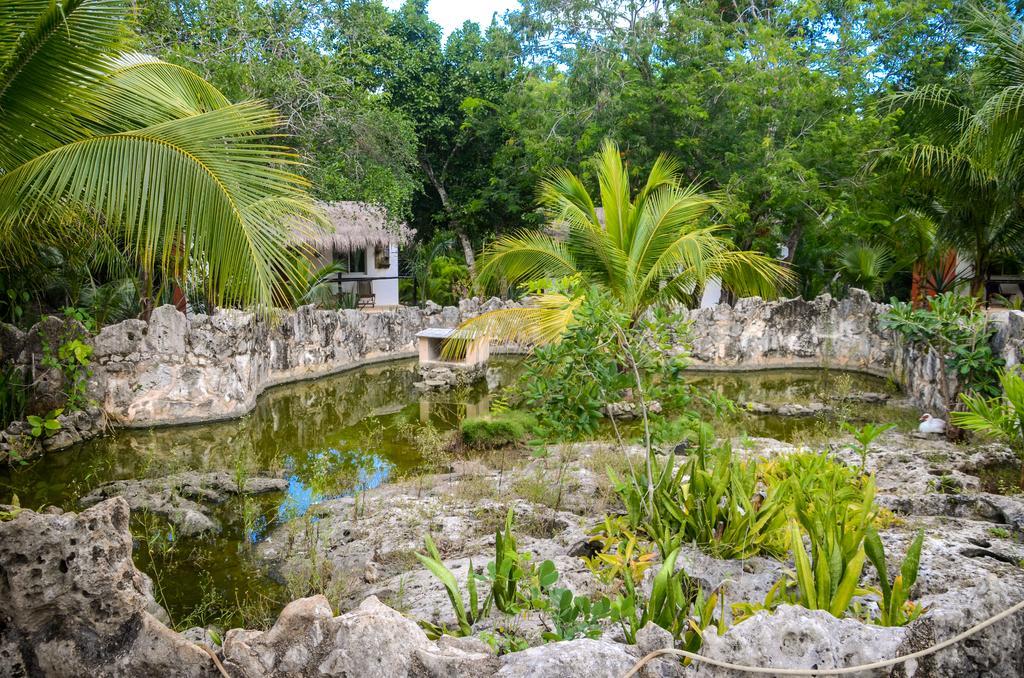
<point x="831" y="672"/>
<point x="216" y="660"/>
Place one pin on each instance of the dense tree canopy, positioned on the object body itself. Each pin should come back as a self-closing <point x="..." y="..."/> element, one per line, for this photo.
<point x="798" y="115"/>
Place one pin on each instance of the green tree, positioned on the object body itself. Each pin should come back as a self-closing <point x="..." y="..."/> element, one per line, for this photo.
<point x="971" y="159"/>
<point x="647" y="250"/>
<point x="316" y="62"/>
<point x="189" y="183"/>
<point x="453" y="91"/>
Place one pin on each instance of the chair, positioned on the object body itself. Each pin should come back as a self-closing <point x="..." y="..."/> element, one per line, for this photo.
<point x="365" y="297"/>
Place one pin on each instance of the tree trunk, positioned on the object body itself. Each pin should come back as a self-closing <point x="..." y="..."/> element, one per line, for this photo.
<point x="467" y="251"/>
<point x="467" y="245"/>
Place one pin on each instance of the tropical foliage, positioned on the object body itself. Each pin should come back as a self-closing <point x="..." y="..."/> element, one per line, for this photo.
<point x="1000" y="416"/>
<point x="647" y="250"/>
<point x="973" y="156"/>
<point x="143" y="157"/>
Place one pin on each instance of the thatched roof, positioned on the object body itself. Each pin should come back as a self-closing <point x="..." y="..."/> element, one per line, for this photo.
<point x="357" y="225"/>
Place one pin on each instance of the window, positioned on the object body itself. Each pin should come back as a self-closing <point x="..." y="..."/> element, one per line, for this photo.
<point x="382" y="257"/>
<point x="357" y="261"/>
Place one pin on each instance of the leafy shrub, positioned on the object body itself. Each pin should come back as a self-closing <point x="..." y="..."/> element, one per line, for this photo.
<point x="955" y="328"/>
<point x="46" y="425"/>
<point x="835" y="517"/>
<point x="1001" y="416"/>
<point x="448" y="280"/>
<point x="496" y="430"/>
<point x="676" y="604"/>
<point x="604" y="358"/>
<point x="466" y="617"/>
<point x="730" y="508"/>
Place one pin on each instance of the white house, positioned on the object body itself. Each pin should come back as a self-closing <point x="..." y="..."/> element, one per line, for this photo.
<point x="367" y="244"/>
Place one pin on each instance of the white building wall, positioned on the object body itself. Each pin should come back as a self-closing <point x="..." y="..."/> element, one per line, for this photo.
<point x="386" y="289"/>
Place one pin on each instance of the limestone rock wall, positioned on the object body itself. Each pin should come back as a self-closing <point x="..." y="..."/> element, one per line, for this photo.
<point x="178" y="369"/>
<point x="826" y="332"/>
<point x="758" y="334"/>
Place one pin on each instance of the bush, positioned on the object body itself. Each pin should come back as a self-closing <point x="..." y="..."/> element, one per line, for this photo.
<point x="496" y="430"/>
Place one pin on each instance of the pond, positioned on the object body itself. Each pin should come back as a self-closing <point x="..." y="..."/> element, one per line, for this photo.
<point x="334" y="436"/>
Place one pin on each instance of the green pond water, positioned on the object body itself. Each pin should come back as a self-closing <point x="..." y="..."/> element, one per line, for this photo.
<point x="331" y="437"/>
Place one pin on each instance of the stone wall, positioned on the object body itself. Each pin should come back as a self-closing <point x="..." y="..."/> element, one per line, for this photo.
<point x="176" y="369"/>
<point x="825" y="332"/>
<point x="846" y="334"/>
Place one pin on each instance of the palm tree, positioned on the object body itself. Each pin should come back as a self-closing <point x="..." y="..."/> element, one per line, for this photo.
<point x="973" y="162"/>
<point x="650" y="250"/>
<point x="185" y="181"/>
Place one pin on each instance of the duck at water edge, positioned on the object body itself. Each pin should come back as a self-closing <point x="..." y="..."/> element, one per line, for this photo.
<point x="930" y="424"/>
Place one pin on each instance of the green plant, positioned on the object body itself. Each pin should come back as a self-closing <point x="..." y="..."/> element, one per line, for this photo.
<point x="504" y="640"/>
<point x="865" y="435"/>
<point x="835" y="519"/>
<point x="515" y="582"/>
<point x="13" y="396"/>
<point x="12" y="513"/>
<point x="896" y="608"/>
<point x="651" y="249"/>
<point x="466" y="617"/>
<point x="13" y="299"/>
<point x="956" y="329"/>
<point x="673" y="602"/>
<point x="575" y="616"/>
<point x="82" y="315"/>
<point x="1001" y="416"/>
<point x="218" y="192"/>
<point x="494" y="431"/>
<point x="621" y="553"/>
<point x="44" y="426"/>
<point x="724" y="505"/>
<point x="999" y="532"/>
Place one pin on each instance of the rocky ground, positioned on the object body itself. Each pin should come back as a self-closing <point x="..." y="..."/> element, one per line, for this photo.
<point x="78" y="606"/>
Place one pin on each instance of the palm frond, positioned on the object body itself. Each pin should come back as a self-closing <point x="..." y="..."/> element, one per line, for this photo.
<point x="49" y="52"/>
<point x="613" y="183"/>
<point x="526" y="255"/>
<point x="137" y="90"/>
<point x="200" y="181"/>
<point x="543" y="321"/>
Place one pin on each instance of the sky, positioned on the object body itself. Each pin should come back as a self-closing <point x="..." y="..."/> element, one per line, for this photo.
<point x="451" y="13"/>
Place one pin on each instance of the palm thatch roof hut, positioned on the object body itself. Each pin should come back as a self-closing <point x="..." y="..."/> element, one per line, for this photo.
<point x="352" y="226"/>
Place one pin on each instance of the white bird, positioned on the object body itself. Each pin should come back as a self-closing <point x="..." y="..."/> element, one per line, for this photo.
<point x="930" y="424"/>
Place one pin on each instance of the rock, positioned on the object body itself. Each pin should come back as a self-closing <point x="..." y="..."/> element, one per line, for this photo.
<point x="797" y="638"/>
<point x="994" y="652"/>
<point x="371" y="572"/>
<point x="176" y="497"/>
<point x="439" y="377"/>
<point x="73" y="604"/>
<point x="652" y="637"/>
<point x="372" y="641"/>
<point x="584" y="658"/>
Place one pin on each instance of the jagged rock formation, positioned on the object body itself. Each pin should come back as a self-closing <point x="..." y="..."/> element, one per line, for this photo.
<point x="73" y="604"/>
<point x="177" y="369"/>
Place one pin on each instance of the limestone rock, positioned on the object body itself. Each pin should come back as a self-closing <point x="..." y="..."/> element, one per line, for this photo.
<point x="795" y="637"/>
<point x="73" y="604"/>
<point x="372" y="641"/>
<point x="584" y="658"/>
<point x="176" y="497"/>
